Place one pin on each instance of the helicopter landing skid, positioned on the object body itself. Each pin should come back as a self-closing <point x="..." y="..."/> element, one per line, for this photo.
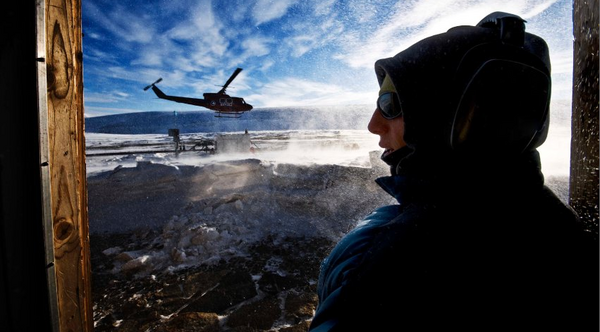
<point x="232" y="116"/>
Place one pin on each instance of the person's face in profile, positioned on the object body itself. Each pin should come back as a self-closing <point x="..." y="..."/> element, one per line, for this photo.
<point x="390" y="131"/>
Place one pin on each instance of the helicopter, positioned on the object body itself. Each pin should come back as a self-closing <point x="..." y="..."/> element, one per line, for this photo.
<point x="220" y="102"/>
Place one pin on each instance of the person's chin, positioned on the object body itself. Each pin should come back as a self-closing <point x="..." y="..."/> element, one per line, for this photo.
<point x="387" y="152"/>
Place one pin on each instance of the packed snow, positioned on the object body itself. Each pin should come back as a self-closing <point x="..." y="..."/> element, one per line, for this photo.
<point x="211" y="205"/>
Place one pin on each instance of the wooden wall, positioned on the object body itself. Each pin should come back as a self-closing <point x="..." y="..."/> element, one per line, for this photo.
<point x="583" y="192"/>
<point x="65" y="124"/>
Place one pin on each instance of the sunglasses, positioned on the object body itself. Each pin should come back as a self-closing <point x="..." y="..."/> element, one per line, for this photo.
<point x="389" y="105"/>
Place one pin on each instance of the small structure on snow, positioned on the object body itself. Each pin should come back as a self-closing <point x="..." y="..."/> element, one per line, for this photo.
<point x="232" y="143"/>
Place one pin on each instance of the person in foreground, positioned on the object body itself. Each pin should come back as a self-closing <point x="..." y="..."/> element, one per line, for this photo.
<point x="477" y="242"/>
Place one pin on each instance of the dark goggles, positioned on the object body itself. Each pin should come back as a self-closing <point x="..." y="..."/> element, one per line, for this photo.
<point x="389" y="105"/>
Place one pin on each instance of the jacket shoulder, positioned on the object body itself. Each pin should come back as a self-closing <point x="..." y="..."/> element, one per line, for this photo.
<point x="346" y="278"/>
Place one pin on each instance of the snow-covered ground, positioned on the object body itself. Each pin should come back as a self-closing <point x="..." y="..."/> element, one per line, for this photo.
<point x="294" y="183"/>
<point x="160" y="219"/>
<point x="255" y="225"/>
<point x="339" y="147"/>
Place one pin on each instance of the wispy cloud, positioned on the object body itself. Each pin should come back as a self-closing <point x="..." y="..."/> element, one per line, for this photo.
<point x="107" y="97"/>
<point x="255" y="46"/>
<point x="313" y="34"/>
<point x="268" y="10"/>
<point x="296" y="92"/>
<point x="92" y="111"/>
<point x="195" y="40"/>
<point x="323" y="7"/>
<point x="562" y="62"/>
<point x="121" y="23"/>
<point x="415" y="20"/>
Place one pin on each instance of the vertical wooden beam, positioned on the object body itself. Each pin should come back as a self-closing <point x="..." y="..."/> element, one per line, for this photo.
<point x="64" y="62"/>
<point x="43" y="162"/>
<point x="583" y="192"/>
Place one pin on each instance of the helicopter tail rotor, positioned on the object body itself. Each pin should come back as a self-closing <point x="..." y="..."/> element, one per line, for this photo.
<point x="151" y="85"/>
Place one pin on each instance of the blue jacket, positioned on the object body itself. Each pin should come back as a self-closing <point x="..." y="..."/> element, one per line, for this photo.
<point x="439" y="260"/>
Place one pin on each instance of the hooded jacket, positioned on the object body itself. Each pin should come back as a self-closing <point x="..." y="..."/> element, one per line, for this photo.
<point x="477" y="242"/>
<point x="491" y="251"/>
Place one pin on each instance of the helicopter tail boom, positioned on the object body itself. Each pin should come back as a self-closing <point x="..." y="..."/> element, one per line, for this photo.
<point x="192" y="101"/>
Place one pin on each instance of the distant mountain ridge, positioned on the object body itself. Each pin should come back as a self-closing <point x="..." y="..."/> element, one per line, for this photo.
<point x="353" y="117"/>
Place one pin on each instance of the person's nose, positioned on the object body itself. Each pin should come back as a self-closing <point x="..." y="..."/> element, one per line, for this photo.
<point x="376" y="124"/>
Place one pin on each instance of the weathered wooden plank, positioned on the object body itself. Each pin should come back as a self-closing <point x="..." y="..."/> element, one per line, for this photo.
<point x="67" y="164"/>
<point x="44" y="155"/>
<point x="583" y="190"/>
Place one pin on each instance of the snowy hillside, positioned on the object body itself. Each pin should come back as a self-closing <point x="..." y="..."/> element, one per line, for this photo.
<point x="204" y="121"/>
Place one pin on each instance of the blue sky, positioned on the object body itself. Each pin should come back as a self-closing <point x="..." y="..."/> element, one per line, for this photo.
<point x="293" y="52"/>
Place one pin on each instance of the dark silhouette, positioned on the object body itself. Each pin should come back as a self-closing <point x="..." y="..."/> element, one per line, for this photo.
<point x="477" y="242"/>
<point x="220" y="102"/>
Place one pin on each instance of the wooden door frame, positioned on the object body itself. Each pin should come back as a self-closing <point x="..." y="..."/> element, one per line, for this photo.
<point x="583" y="188"/>
<point x="62" y="163"/>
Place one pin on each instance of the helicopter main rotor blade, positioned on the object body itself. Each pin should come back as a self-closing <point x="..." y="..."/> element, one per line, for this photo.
<point x="149" y="86"/>
<point x="235" y="73"/>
